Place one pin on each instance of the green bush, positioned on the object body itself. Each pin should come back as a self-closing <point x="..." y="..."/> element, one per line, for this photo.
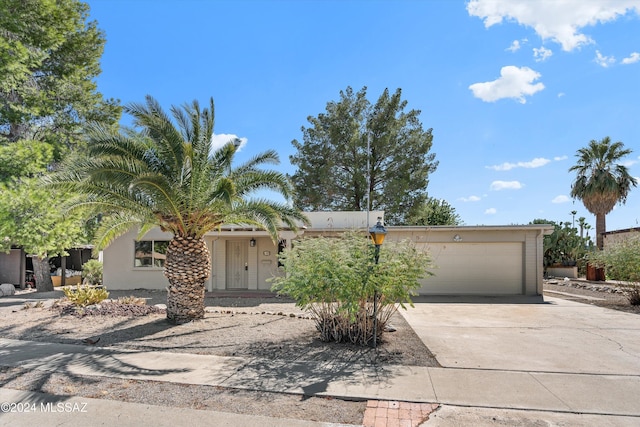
<point x="92" y="272"/>
<point x="621" y="261"/>
<point x="336" y="280"/>
<point x="84" y="295"/>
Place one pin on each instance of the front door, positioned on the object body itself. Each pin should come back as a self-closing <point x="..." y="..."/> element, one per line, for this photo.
<point x="237" y="265"/>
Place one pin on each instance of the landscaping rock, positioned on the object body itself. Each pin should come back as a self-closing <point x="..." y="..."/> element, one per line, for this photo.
<point x="7" y="289"/>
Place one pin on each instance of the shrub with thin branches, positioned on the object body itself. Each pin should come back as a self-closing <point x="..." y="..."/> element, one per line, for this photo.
<point x="337" y="281"/>
<point x="621" y="261"/>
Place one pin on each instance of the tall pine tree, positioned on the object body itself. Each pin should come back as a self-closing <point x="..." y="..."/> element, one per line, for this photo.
<point x="332" y="158"/>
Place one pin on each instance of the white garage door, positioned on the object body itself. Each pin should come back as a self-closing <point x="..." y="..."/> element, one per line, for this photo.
<point x="475" y="269"/>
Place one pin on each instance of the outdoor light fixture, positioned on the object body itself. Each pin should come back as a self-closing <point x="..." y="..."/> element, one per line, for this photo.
<point x="252" y="242"/>
<point x="457" y="238"/>
<point x="377" y="233"/>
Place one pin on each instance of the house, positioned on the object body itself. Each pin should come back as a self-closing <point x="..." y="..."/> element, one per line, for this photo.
<point x="16" y="265"/>
<point x="470" y="260"/>
<point x="615" y="236"/>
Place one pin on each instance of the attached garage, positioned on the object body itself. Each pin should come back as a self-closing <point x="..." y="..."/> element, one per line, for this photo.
<point x="477" y="268"/>
<point x="480" y="260"/>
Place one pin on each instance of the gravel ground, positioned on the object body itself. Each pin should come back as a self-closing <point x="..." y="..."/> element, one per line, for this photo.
<point x="609" y="295"/>
<point x="271" y="328"/>
<point x="254" y="326"/>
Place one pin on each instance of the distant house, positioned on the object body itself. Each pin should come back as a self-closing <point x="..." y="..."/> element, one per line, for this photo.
<point x="13" y="267"/>
<point x="611" y="237"/>
<point x="16" y="264"/>
<point x="471" y="260"/>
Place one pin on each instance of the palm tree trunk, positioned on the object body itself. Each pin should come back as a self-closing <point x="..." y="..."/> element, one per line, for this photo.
<point x="187" y="267"/>
<point x="601" y="227"/>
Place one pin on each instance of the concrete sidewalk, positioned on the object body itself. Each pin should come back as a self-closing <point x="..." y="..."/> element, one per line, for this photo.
<point x="40" y="409"/>
<point x="560" y="361"/>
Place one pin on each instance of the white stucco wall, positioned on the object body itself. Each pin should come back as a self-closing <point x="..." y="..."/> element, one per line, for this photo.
<point x="118" y="264"/>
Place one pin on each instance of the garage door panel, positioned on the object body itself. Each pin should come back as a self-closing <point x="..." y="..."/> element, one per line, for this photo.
<point x="475" y="268"/>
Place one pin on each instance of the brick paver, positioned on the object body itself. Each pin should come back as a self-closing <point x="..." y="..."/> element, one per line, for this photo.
<point x="383" y="413"/>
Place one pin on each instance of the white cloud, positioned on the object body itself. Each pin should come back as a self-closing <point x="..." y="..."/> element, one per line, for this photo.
<point x="629" y="163"/>
<point x="505" y="185"/>
<point x="515" y="46"/>
<point x="561" y="199"/>
<point x="513" y="83"/>
<point x="470" y="199"/>
<point x="633" y="58"/>
<point x="491" y="211"/>
<point x="558" y="158"/>
<point x="541" y="54"/>
<point x="560" y="21"/>
<point x="535" y="163"/>
<point x="219" y="140"/>
<point x="604" y="61"/>
<point x="561" y="94"/>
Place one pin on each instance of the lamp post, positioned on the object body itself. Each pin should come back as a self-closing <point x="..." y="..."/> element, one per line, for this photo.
<point x="377" y="233"/>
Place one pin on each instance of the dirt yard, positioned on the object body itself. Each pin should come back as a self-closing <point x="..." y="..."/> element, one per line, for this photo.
<point x="270" y="328"/>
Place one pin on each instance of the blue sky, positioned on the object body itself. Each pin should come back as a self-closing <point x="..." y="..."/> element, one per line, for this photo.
<point x="511" y="88"/>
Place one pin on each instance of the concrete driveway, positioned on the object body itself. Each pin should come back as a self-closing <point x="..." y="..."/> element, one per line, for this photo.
<point x="555" y="336"/>
<point x="583" y="356"/>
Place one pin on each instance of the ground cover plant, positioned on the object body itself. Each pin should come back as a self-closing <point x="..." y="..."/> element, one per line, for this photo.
<point x="338" y="281"/>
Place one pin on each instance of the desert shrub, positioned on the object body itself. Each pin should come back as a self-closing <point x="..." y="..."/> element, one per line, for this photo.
<point x="131" y="300"/>
<point x="92" y="272"/>
<point x="621" y="261"/>
<point x="633" y="294"/>
<point x="336" y="280"/>
<point x="84" y="295"/>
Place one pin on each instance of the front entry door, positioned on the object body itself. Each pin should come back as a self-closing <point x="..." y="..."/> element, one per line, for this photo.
<point x="237" y="265"/>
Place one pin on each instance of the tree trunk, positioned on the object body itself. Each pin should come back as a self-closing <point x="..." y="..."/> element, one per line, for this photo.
<point x="42" y="273"/>
<point x="187" y="267"/>
<point x="601" y="227"/>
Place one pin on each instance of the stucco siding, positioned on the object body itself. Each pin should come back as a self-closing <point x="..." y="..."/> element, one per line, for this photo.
<point x="119" y="271"/>
<point x="484" y="260"/>
<point x="617" y="236"/>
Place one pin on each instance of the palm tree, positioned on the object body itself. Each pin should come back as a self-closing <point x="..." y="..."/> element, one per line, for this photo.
<point x="601" y="181"/>
<point x="169" y="176"/>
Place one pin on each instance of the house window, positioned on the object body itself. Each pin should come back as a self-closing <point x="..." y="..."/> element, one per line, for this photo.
<point x="150" y="253"/>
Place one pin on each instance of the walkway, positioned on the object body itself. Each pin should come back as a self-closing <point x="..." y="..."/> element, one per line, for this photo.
<point x="560" y="358"/>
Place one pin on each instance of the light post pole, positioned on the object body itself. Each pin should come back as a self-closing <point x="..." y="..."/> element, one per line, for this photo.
<point x="377" y="233"/>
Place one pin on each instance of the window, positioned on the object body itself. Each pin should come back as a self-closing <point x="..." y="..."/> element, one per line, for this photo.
<point x="150" y="253"/>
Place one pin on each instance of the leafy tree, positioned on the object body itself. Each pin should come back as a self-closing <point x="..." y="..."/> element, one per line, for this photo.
<point x="434" y="212"/>
<point x="337" y="279"/>
<point x="49" y="58"/>
<point x="30" y="217"/>
<point x="24" y="159"/>
<point x="601" y="181"/>
<point x="168" y="175"/>
<point x="332" y="159"/>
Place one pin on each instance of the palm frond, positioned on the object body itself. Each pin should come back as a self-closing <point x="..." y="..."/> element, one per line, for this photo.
<point x="165" y="173"/>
